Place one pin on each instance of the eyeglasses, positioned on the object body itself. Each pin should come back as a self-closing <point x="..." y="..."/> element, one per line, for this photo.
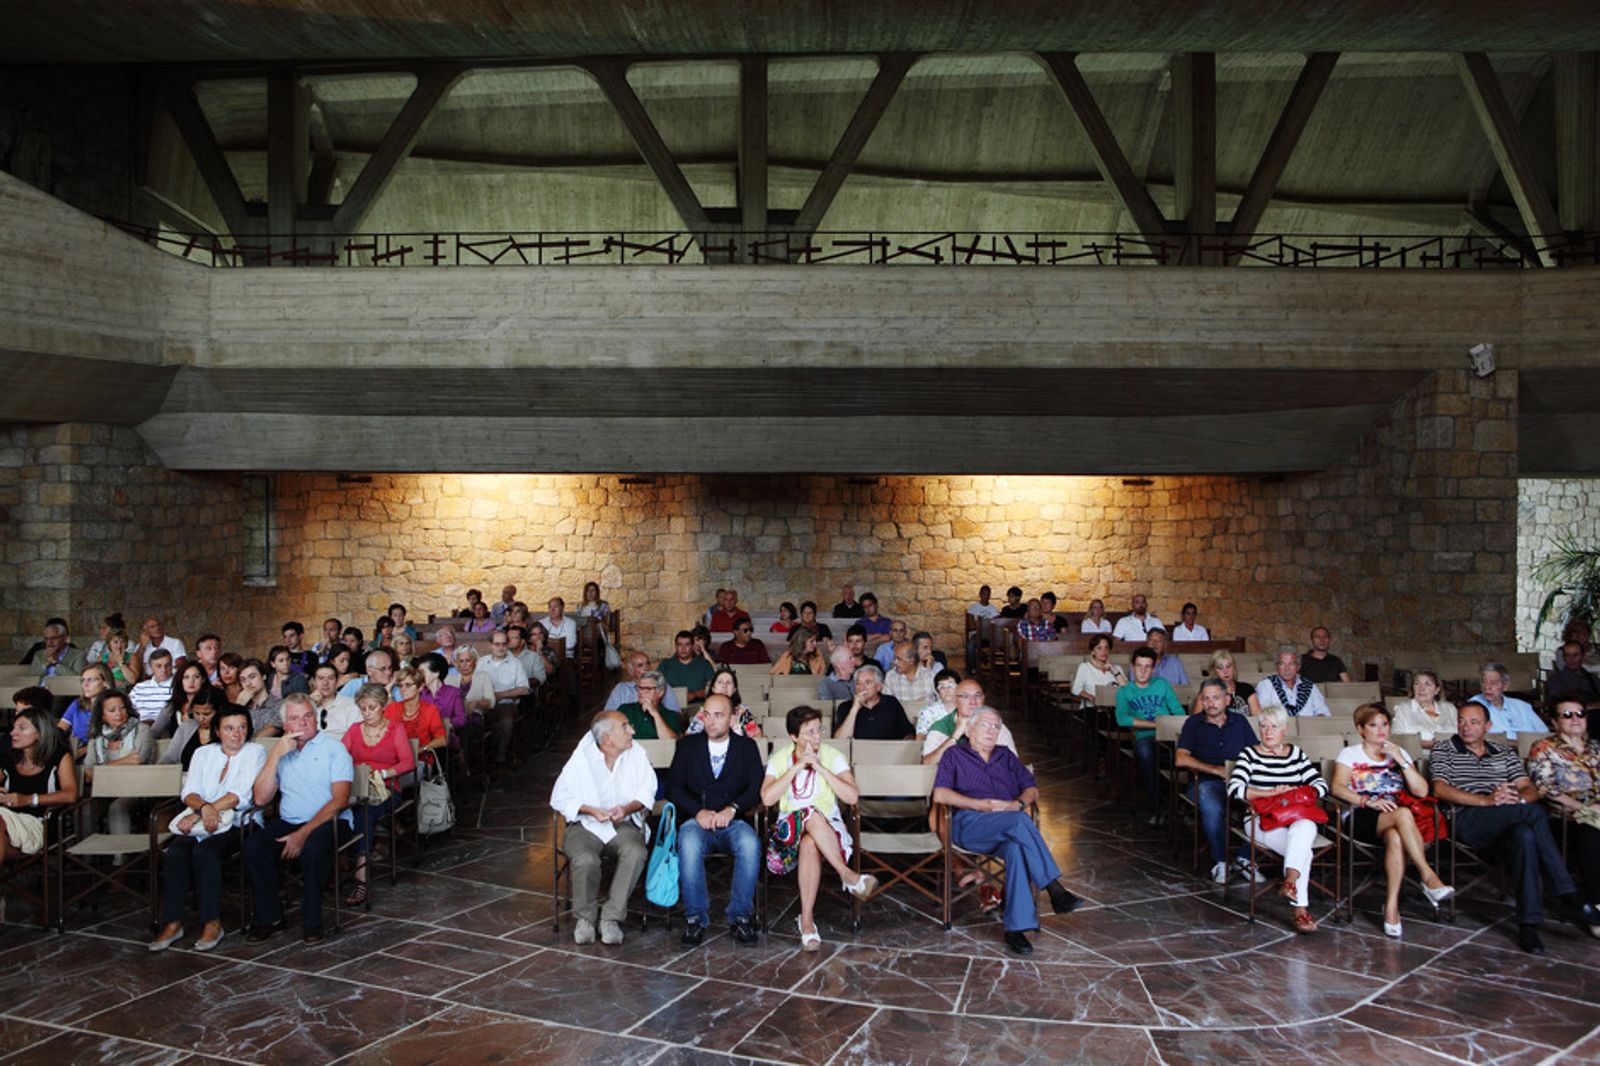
<point x="648" y="688"/>
<point x="1573" y="714"/>
<point x="408" y="684"/>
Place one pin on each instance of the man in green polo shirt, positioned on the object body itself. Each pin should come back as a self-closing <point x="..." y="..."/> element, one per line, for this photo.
<point x="685" y="669"/>
<point x="650" y="720"/>
<point x="952" y="727"/>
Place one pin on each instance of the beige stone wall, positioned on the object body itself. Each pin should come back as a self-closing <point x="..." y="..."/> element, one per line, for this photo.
<point x="1549" y="510"/>
<point x="1409" y="544"/>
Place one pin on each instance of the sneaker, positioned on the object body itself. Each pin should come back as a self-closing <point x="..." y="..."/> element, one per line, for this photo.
<point x="744" y="932"/>
<point x="584" y="932"/>
<point x="694" y="934"/>
<point x="610" y="932"/>
<point x="1219" y="873"/>
<point x="1248" y="872"/>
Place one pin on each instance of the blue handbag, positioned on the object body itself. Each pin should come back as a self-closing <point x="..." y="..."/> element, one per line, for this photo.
<point x="661" y="878"/>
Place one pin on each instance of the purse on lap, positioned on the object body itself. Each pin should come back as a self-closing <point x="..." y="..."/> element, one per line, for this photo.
<point x="1299" y="803"/>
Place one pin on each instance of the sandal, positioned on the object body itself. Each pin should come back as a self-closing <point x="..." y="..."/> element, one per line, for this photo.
<point x="357" y="896"/>
<point x="808" y="941"/>
<point x="1304" y="923"/>
<point x="1287" y="889"/>
<point x="988" y="899"/>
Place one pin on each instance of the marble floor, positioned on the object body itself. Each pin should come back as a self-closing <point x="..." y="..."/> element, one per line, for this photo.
<point x="458" y="963"/>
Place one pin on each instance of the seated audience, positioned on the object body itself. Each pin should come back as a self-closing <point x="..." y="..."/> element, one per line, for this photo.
<point x="649" y="719"/>
<point x="437" y="690"/>
<point x="332" y="631"/>
<point x="685" y="669"/>
<point x="1097" y="669"/>
<point x="1321" y="665"/>
<point x="1139" y="703"/>
<point x="94" y="679"/>
<point x="444" y="643"/>
<point x="117" y="738"/>
<point x="335" y="713"/>
<point x="124" y="662"/>
<point x="1014" y="607"/>
<point x="604" y="793"/>
<point x="356" y="643"/>
<point x="1571" y="680"/>
<point x="282" y="679"/>
<point x="743" y="649"/>
<point x="883" y="655"/>
<point x="788" y="614"/>
<point x="533" y="663"/>
<point x="1047" y="607"/>
<point x="310" y="774"/>
<point x="592" y="605"/>
<point x="878" y="626"/>
<point x="724" y="617"/>
<point x="1187" y="628"/>
<point x="726" y="683"/>
<point x="1382" y="781"/>
<point x="1095" y="621"/>
<point x="991" y="791"/>
<point x="910" y="682"/>
<point x="415" y="714"/>
<point x="1273" y="768"/>
<point x="844" y="662"/>
<point x="266" y="710"/>
<point x="151" y="696"/>
<point x="405" y="651"/>
<point x="802" y="656"/>
<point x="1169" y="667"/>
<point x="228" y="674"/>
<point x="1425" y="715"/>
<point x="477" y="691"/>
<point x="481" y="621"/>
<point x="342" y="660"/>
<point x="301" y="659"/>
<point x="848" y="606"/>
<point x="560" y="627"/>
<point x="1507" y="714"/>
<point x="1241" y="697"/>
<point x="397" y="614"/>
<point x="197" y="730"/>
<point x="153" y="637"/>
<point x="510" y="683"/>
<point x="208" y="653"/>
<point x="714" y="782"/>
<point x="627" y="690"/>
<point x="58" y="658"/>
<point x="1034" y="625"/>
<point x="945" y="685"/>
<point x="1565" y="769"/>
<point x="808" y="618"/>
<point x="379" y="746"/>
<point x="1291" y="690"/>
<point x="539" y="644"/>
<point x="108" y="625"/>
<point x="382" y="633"/>
<point x="983" y="608"/>
<point x="217" y="794"/>
<point x="508" y="596"/>
<point x="1135" y="626"/>
<point x="1209" y="740"/>
<point x="927" y="654"/>
<point x="869" y="714"/>
<point x="379" y="667"/>
<point x="808" y="780"/>
<point x="191" y="682"/>
<point x="947" y="731"/>
<point x="1498" y="808"/>
<point x="36" y="774"/>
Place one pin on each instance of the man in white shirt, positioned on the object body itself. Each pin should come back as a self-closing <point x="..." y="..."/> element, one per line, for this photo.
<point x="983" y="608"/>
<point x="1507" y="714"/>
<point x="1290" y="690"/>
<point x="1189" y="629"/>
<point x="335" y="713"/>
<point x="909" y="681"/>
<point x="149" y="697"/>
<point x="155" y="636"/>
<point x="532" y="662"/>
<point x="627" y="690"/>
<point x="208" y="653"/>
<point x="604" y="793"/>
<point x="510" y="683"/>
<point x="1095" y="621"/>
<point x="1136" y="626"/>
<point x="560" y="627"/>
<point x="332" y="630"/>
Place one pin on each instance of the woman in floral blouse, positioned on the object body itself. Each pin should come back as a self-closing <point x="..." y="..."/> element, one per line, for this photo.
<point x="1566" y="770"/>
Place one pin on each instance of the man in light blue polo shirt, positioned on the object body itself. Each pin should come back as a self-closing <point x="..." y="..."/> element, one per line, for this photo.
<point x="310" y="772"/>
<point x="1507" y="714"/>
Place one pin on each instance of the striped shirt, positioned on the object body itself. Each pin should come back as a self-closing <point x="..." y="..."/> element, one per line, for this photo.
<point x="1256" y="769"/>
<point x="150" y="698"/>
<point x="1451" y="762"/>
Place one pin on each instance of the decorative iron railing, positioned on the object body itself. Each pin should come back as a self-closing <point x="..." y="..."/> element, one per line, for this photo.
<point x="948" y="248"/>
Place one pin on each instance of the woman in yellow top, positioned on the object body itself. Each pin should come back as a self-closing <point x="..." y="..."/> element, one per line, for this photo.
<point x="808" y="780"/>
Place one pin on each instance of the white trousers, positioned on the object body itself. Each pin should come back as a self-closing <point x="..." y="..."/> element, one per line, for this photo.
<point x="1293" y="842"/>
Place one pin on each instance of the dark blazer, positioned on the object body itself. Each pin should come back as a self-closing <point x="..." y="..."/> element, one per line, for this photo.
<point x="692" y="788"/>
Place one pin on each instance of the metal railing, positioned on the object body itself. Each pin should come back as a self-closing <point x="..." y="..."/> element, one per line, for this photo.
<point x="947" y="248"/>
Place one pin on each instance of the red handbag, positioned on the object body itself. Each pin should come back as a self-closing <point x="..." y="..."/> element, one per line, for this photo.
<point x="1276" y="812"/>
<point x="1425" y="811"/>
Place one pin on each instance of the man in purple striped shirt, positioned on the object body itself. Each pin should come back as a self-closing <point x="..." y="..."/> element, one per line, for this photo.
<point x="991" y="791"/>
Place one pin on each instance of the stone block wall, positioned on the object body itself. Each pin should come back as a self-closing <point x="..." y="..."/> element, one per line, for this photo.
<point x="1549" y="510"/>
<point x="1409" y="544"/>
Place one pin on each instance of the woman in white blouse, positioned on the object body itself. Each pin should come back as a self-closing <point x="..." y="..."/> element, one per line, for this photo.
<point x="1095" y="621"/>
<point x="1425" y="714"/>
<point x="1098" y="669"/>
<point x="217" y="793"/>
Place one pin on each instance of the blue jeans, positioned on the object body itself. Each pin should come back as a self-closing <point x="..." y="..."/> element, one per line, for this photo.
<point x="1144" y="759"/>
<point x="1212" y="803"/>
<point x="694" y="844"/>
<point x="1012" y="837"/>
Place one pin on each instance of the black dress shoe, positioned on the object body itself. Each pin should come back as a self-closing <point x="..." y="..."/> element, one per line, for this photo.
<point x="694" y="934"/>
<point x="744" y="931"/>
<point x="1062" y="900"/>
<point x="311" y="936"/>
<point x="1531" y="942"/>
<point x="258" y="933"/>
<point x="1584" y="915"/>
<point x="1017" y="944"/>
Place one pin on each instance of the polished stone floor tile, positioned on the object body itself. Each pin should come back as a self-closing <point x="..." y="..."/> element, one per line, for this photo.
<point x="888" y="978"/>
<point x="575" y="990"/>
<point x="462" y="1036"/>
<point x="804" y="1030"/>
<point x="506" y="915"/>
<point x="712" y="1016"/>
<point x="1218" y="992"/>
<point x="464" y="952"/>
<point x="1458" y="1038"/>
<point x="1500" y="1008"/>
<point x="909" y="1038"/>
<point x="1179" y="928"/>
<point x="1333" y="1041"/>
<point x="17" y="1035"/>
<point x="1023" y="989"/>
<point x="63" y="977"/>
<point x="76" y="1047"/>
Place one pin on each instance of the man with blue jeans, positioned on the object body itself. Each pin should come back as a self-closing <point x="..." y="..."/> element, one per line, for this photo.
<point x="1138" y="704"/>
<point x="715" y="780"/>
<point x="1209" y="740"/>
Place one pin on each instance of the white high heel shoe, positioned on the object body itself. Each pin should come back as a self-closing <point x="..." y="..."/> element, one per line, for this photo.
<point x="808" y="941"/>
<point x="1391" y="930"/>
<point x="1438" y="895"/>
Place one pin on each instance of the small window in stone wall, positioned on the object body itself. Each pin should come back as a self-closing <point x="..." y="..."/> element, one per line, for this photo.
<point x="258" y="531"/>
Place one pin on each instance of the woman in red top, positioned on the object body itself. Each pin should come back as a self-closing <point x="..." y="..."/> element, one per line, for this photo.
<point x="379" y="747"/>
<point x="417" y="716"/>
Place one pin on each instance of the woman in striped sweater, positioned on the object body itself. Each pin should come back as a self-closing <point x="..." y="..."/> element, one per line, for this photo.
<point x="1272" y="768"/>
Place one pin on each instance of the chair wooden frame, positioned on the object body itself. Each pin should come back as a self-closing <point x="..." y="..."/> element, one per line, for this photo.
<point x="140" y="851"/>
<point x="913" y="858"/>
<point x="990" y="868"/>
